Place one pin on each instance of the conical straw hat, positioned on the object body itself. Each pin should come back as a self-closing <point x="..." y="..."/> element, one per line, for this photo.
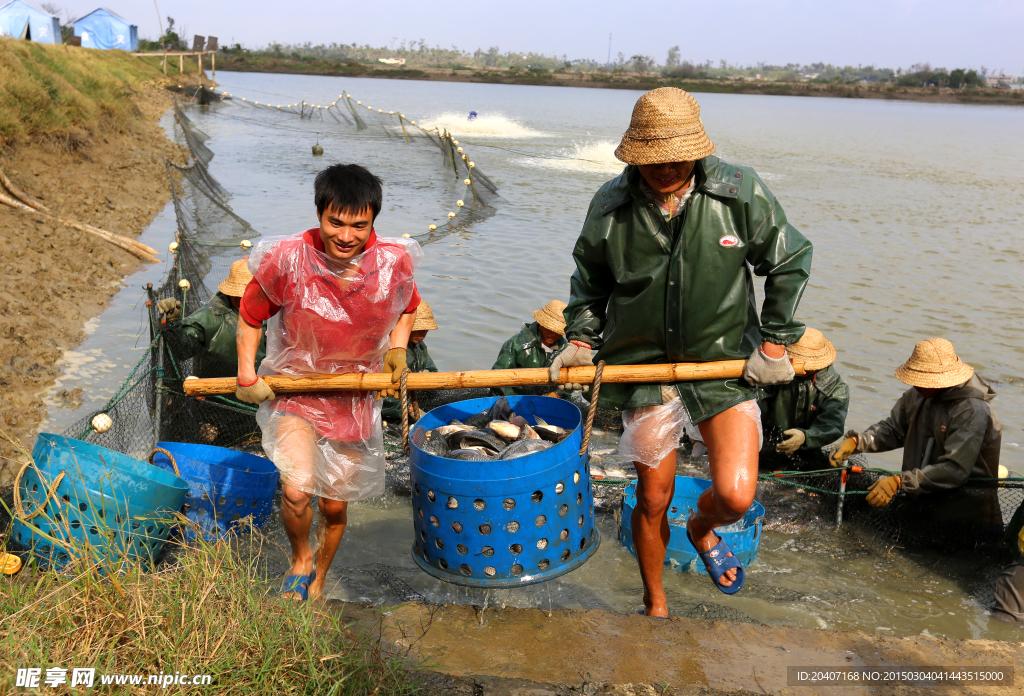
<point x="424" y="318"/>
<point x="238" y="278"/>
<point x="816" y="351"/>
<point x="551" y="318"/>
<point x="934" y="365"/>
<point x="665" y="127"/>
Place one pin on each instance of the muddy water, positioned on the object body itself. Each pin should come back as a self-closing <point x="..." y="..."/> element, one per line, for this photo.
<point x="916" y="233"/>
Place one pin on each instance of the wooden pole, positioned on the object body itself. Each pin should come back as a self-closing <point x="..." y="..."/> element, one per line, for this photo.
<point x="375" y="381"/>
<point x="200" y="57"/>
<point x="181" y="63"/>
<point x="213" y="67"/>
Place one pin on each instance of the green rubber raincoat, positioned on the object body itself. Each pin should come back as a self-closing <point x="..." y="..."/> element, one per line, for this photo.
<point x="418" y="359"/>
<point x="816" y="404"/>
<point x="208" y="336"/>
<point x="647" y="290"/>
<point x="524" y="350"/>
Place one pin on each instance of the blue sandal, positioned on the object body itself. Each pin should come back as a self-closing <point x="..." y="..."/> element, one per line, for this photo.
<point x="717" y="560"/>
<point x="299" y="584"/>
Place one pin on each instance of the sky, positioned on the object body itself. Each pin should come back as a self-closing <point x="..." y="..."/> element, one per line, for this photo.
<point x="884" y="33"/>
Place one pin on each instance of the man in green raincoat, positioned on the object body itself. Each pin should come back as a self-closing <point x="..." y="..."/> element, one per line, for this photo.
<point x="664" y="273"/>
<point x="809" y="412"/>
<point x="1009" y="588"/>
<point x="536" y="345"/>
<point x="417" y="358"/>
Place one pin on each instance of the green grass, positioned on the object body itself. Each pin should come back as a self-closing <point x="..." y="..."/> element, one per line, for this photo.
<point x="52" y="89"/>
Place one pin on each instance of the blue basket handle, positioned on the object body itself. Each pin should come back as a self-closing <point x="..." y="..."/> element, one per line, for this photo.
<point x="17" y="492"/>
<point x="757" y="525"/>
<point x="161" y="450"/>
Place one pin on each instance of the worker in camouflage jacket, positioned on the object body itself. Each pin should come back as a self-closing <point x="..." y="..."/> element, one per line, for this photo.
<point x="536" y="345"/>
<point x="417" y="358"/>
<point x="809" y="412"/>
<point x="948" y="432"/>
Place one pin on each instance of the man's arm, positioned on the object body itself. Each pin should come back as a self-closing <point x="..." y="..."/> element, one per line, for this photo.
<point x="400" y="334"/>
<point x="247" y="341"/>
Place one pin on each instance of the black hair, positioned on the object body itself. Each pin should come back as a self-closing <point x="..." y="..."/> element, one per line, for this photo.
<point x="347" y="188"/>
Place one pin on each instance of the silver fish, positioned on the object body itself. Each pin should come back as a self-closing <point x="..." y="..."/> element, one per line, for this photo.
<point x="475" y="437"/>
<point x="444" y="430"/>
<point x="549" y="432"/>
<point x="500" y="410"/>
<point x="470" y="455"/>
<point x="503" y="429"/>
<point x="525" y="431"/>
<point x="521" y="448"/>
<point x="479" y="420"/>
<point x="437" y="445"/>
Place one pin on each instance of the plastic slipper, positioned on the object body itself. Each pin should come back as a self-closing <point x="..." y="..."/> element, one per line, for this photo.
<point x="299" y="584"/>
<point x="717" y="560"/>
<point x="641" y="613"/>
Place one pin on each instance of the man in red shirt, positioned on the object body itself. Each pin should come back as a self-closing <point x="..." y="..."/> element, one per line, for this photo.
<point x="337" y="299"/>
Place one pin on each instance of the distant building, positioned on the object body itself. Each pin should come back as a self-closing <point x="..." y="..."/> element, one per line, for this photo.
<point x="994" y="80"/>
<point x="391" y="61"/>
<point x="23" y="20"/>
<point x="102" y="28"/>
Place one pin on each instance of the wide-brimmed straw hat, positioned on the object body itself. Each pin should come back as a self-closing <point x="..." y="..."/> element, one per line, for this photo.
<point x="814" y="349"/>
<point x="238" y="278"/>
<point x="551" y="318"/>
<point x="665" y="127"/>
<point x="934" y="365"/>
<point x="424" y="318"/>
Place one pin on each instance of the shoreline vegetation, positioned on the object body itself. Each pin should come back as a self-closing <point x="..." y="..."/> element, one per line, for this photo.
<point x="239" y="61"/>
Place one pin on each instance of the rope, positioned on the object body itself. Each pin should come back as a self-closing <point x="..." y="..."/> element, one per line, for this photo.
<point x="593" y="407"/>
<point x="405" y="410"/>
<point x="161" y="450"/>
<point x="17" y="492"/>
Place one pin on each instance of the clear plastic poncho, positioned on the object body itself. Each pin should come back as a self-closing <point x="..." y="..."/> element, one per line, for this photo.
<point x="335" y="317"/>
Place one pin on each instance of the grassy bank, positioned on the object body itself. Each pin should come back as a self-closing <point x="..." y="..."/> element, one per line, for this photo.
<point x="270" y="63"/>
<point x="47" y="90"/>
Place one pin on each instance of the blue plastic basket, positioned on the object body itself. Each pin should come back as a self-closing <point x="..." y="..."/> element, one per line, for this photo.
<point x="509" y="523"/>
<point x="743" y="537"/>
<point x="108" y="506"/>
<point x="225" y="486"/>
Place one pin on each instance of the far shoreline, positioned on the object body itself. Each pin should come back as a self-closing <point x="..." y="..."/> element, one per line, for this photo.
<point x="935" y="95"/>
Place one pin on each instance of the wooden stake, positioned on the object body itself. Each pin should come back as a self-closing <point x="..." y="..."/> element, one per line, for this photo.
<point x="375" y="381"/>
<point x="181" y="64"/>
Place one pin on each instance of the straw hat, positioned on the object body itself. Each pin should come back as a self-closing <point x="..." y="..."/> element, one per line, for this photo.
<point x="816" y="351"/>
<point x="424" y="318"/>
<point x="665" y="127"/>
<point x="934" y="365"/>
<point x="550" y="317"/>
<point x="238" y="278"/>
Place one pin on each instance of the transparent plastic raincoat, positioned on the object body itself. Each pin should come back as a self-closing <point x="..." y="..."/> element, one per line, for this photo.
<point x="330" y="316"/>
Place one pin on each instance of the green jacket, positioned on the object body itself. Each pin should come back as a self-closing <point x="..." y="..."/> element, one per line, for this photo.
<point x="647" y="290"/>
<point x="208" y="336"/>
<point x="816" y="404"/>
<point x="418" y="359"/>
<point x="524" y="350"/>
<point x="1015" y="535"/>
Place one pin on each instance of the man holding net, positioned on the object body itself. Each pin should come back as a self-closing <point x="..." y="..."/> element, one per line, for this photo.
<point x="337" y="299"/>
<point x="663" y="274"/>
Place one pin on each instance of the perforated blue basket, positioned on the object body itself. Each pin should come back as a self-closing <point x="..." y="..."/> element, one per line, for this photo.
<point x="497" y="524"/>
<point x="108" y="506"/>
<point x="743" y="536"/>
<point x="225" y="487"/>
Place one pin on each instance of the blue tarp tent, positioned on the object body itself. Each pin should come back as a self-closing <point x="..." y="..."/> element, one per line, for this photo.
<point x="21" y="20"/>
<point x="103" y="29"/>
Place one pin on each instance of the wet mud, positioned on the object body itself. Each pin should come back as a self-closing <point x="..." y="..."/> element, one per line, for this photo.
<point x="54" y="278"/>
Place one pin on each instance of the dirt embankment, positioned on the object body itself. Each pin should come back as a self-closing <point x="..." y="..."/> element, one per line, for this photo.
<point x="98" y="162"/>
<point x="309" y="66"/>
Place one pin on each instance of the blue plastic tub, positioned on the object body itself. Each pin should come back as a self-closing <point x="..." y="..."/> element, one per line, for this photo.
<point x="225" y="486"/>
<point x="743" y="537"/>
<point x="109" y="506"/>
<point x="504" y="523"/>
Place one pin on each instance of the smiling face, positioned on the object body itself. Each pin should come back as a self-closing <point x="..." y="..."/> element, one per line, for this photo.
<point x="344" y="233"/>
<point x="417" y="336"/>
<point x="548" y="337"/>
<point x="667" y="177"/>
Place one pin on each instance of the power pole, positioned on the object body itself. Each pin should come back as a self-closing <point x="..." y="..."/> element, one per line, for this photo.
<point x="607" y="65"/>
<point x="160" y="23"/>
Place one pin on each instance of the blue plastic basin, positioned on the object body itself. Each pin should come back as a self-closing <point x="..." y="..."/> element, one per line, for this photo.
<point x="743" y="537"/>
<point x="504" y="523"/>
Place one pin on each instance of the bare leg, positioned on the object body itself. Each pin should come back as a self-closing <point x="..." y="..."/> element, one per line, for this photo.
<point x="650" y="529"/>
<point x="297" y="517"/>
<point x="330" y="529"/>
<point x="731" y="438"/>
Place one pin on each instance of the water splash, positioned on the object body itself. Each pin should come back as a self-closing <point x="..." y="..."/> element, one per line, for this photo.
<point x="593" y="157"/>
<point x="483" y="126"/>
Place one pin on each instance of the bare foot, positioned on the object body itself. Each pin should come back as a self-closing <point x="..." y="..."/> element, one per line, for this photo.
<point x="655" y="608"/>
<point x="706" y="542"/>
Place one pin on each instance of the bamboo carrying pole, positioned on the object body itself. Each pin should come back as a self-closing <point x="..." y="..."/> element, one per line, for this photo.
<point x="418" y="381"/>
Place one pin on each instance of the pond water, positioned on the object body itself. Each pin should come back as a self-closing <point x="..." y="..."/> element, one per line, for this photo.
<point x="913" y="210"/>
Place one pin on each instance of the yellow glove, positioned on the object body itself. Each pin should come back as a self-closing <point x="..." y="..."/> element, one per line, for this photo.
<point x="255" y="393"/>
<point x="170" y="308"/>
<point x="795" y="438"/>
<point x="394" y="362"/>
<point x="883" y="490"/>
<point x="1020" y="541"/>
<point x="842" y="453"/>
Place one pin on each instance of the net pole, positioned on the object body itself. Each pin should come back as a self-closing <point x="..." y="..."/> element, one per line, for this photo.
<point x="158" y="411"/>
<point x="842" y="497"/>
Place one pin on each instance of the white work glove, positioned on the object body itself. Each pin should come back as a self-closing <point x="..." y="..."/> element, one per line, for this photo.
<point x="576" y="354"/>
<point x="795" y="438"/>
<point x="762" y="371"/>
<point x="255" y="393"/>
<point x="169" y="307"/>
